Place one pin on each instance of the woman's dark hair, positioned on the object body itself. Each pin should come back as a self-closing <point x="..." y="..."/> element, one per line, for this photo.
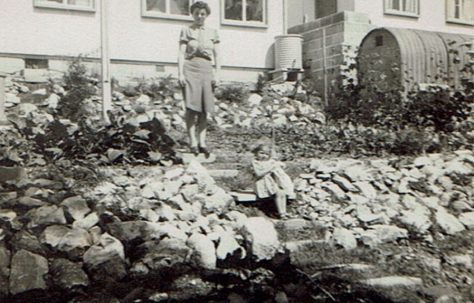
<point x="200" y="5"/>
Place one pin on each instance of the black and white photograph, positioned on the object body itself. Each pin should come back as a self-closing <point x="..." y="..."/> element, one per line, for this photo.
<point x="237" y="151"/>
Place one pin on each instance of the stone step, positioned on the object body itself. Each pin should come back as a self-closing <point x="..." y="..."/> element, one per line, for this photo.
<point x="394" y="282"/>
<point x="223" y="173"/>
<point x="244" y="196"/>
<point x="201" y="158"/>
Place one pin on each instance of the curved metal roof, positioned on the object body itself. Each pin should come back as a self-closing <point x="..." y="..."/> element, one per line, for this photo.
<point x="425" y="54"/>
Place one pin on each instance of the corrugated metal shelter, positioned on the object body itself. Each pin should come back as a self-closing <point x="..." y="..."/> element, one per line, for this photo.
<point x="396" y="57"/>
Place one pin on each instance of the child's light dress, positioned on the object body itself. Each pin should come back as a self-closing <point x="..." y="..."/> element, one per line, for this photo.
<point x="268" y="185"/>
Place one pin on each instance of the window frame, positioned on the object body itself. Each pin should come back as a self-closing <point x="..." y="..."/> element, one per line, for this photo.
<point x="167" y="14"/>
<point x="457" y="20"/>
<point x="388" y="10"/>
<point x="65" y="6"/>
<point x="245" y="23"/>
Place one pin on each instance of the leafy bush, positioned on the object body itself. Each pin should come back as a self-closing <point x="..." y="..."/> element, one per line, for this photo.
<point x="79" y="88"/>
<point x="233" y="93"/>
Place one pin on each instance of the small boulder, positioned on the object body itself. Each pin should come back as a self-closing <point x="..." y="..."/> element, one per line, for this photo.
<point x="46" y="215"/>
<point x="262" y="237"/>
<point x="27" y="272"/>
<point x="448" y="222"/>
<point x="204" y="252"/>
<point x="345" y="238"/>
<point x="5" y="256"/>
<point x="76" y="207"/>
<point x="67" y="274"/>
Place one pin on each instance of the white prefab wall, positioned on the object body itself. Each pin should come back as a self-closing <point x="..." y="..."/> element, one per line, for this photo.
<point x="432" y="17"/>
<point x="28" y="30"/>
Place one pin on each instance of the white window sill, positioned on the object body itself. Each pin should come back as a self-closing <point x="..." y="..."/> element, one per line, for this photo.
<point x="166" y="16"/>
<point x="402" y="14"/>
<point x="65" y="7"/>
<point x="254" y="24"/>
<point x="460" y="21"/>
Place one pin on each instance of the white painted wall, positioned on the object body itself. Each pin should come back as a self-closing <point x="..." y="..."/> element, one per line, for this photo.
<point x="41" y="31"/>
<point x="432" y="17"/>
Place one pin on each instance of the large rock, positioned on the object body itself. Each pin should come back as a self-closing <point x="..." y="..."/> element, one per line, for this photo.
<point x="46" y="215"/>
<point x="204" y="251"/>
<point x="76" y="207"/>
<point x="262" y="237"/>
<point x="5" y="256"/>
<point x="167" y="253"/>
<point x="52" y="235"/>
<point x="75" y="242"/>
<point x="106" y="259"/>
<point x="87" y="222"/>
<point x="448" y="222"/>
<point x="345" y="238"/>
<point x="418" y="219"/>
<point x="27" y="241"/>
<point x="467" y="219"/>
<point x="67" y="274"/>
<point x="144" y="231"/>
<point x="379" y="234"/>
<point x="27" y="272"/>
<point x="344" y="183"/>
<point x="218" y="202"/>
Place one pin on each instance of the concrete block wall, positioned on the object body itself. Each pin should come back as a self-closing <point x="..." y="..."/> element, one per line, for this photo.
<point x="328" y="47"/>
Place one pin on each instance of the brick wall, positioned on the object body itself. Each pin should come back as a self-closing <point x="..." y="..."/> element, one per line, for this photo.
<point x="329" y="45"/>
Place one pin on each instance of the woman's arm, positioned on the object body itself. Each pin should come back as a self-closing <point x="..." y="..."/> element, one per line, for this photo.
<point x="181" y="55"/>
<point x="217" y="62"/>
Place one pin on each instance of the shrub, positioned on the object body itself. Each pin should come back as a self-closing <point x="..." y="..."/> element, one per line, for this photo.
<point x="79" y="89"/>
<point x="233" y="93"/>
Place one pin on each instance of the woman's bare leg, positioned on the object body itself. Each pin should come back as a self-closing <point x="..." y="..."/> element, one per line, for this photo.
<point x="202" y="128"/>
<point x="191" y="126"/>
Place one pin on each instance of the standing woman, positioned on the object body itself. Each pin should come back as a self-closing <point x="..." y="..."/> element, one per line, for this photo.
<point x="198" y="47"/>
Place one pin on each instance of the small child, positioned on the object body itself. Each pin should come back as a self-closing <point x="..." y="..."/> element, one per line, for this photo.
<point x="272" y="181"/>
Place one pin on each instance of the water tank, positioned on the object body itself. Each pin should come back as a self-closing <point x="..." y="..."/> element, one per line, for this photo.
<point x="288" y="52"/>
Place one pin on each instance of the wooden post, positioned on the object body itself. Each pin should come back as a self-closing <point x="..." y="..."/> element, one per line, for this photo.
<point x="105" y="62"/>
<point x="3" y="117"/>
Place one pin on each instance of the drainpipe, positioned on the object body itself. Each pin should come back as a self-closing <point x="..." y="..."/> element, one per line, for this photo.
<point x="3" y="117"/>
<point x="105" y="62"/>
<point x="285" y="17"/>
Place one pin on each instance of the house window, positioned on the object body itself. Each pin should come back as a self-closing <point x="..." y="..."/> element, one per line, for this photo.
<point x="325" y="8"/>
<point x="80" y="5"/>
<point x="244" y="12"/>
<point x="460" y="11"/>
<point x="409" y="8"/>
<point x="36" y="63"/>
<point x="170" y="9"/>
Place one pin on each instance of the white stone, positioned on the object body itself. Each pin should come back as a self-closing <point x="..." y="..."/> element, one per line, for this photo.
<point x="40" y="92"/>
<point x="227" y="245"/>
<point x="204" y="252"/>
<point x="394" y="281"/>
<point x="108" y="248"/>
<point x="464" y="261"/>
<point x="87" y="222"/>
<point x="255" y="100"/>
<point x="53" y="101"/>
<point x="76" y="207"/>
<point x="418" y="219"/>
<point x="25" y="109"/>
<point x="334" y="190"/>
<point x="366" y="189"/>
<point x="422" y="161"/>
<point x="345" y="184"/>
<point x="262" y="236"/>
<point x="12" y="98"/>
<point x="357" y="173"/>
<point x="467" y="219"/>
<point x="345" y="238"/>
<point x="448" y="222"/>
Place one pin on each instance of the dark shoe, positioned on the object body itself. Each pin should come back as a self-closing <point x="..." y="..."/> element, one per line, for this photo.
<point x="194" y="150"/>
<point x="204" y="150"/>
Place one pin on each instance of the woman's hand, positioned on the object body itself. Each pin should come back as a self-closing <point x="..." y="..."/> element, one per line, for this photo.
<point x="182" y="81"/>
